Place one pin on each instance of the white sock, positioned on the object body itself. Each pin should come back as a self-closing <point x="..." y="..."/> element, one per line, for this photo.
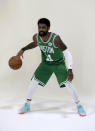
<point x="33" y="85"/>
<point x="72" y="91"/>
<point x="28" y="101"/>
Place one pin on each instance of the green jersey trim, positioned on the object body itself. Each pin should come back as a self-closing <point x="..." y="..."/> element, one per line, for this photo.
<point x="39" y="81"/>
<point x="53" y="41"/>
<point x="63" y="83"/>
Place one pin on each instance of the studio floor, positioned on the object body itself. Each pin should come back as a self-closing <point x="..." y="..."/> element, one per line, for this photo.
<point x="47" y="114"/>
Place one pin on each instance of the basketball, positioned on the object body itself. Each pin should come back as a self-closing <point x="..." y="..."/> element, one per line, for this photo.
<point x="15" y="62"/>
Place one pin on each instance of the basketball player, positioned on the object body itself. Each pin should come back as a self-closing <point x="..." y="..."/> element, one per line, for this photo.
<point x="56" y="58"/>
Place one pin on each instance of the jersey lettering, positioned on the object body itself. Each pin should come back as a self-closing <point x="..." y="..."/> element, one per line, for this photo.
<point x="49" y="58"/>
<point x="47" y="49"/>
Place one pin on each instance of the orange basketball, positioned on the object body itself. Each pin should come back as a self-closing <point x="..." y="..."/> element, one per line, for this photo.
<point x="15" y="62"/>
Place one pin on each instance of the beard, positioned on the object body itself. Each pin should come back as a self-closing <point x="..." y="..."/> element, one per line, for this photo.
<point x="43" y="33"/>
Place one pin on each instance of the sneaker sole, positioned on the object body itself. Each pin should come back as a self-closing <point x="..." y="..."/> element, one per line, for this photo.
<point x="22" y="112"/>
<point x="82" y="115"/>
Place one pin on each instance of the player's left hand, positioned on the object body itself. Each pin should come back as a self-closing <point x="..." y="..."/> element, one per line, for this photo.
<point x="70" y="75"/>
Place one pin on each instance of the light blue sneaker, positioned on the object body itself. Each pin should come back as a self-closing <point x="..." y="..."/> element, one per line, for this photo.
<point x="81" y="110"/>
<point x="25" y="109"/>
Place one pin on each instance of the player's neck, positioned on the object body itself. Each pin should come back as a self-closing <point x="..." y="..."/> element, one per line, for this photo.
<point x="46" y="37"/>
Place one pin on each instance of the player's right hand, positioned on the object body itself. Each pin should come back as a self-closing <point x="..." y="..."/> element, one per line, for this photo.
<point x="20" y="53"/>
<point x="70" y="75"/>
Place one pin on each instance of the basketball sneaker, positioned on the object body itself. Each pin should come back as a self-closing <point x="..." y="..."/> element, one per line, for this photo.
<point x="81" y="110"/>
<point x="24" y="109"/>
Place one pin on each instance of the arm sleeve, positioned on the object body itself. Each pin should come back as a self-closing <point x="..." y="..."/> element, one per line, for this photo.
<point x="68" y="58"/>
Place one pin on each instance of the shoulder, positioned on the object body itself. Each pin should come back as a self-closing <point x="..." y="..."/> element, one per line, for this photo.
<point x="54" y="34"/>
<point x="57" y="40"/>
<point x="35" y="37"/>
<point x="56" y="37"/>
<point x="59" y="43"/>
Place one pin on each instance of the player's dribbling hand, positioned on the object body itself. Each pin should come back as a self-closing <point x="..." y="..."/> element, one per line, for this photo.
<point x="70" y="75"/>
<point x="20" y="53"/>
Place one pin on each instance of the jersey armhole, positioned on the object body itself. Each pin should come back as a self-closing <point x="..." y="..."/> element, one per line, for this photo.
<point x="53" y="41"/>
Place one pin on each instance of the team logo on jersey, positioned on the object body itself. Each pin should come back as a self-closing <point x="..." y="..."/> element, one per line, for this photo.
<point x="49" y="44"/>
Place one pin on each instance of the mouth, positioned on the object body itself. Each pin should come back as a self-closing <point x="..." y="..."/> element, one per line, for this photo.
<point x="41" y="32"/>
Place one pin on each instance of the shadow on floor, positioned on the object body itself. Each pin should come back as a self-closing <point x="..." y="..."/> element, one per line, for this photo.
<point x="63" y="108"/>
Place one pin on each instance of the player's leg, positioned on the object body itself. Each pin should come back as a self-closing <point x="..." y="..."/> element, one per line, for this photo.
<point x="43" y="73"/>
<point x="72" y="91"/>
<point x="61" y="74"/>
<point x="32" y="86"/>
<point x="74" y="95"/>
<point x="41" y="77"/>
